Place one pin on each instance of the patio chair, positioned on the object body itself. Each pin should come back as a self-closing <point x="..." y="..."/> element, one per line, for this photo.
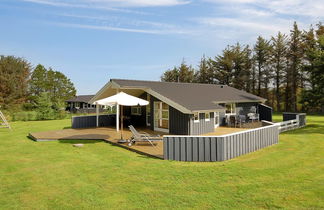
<point x="142" y="137"/>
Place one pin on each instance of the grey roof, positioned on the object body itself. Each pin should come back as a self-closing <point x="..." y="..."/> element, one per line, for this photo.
<point x="194" y="96"/>
<point x="81" y="98"/>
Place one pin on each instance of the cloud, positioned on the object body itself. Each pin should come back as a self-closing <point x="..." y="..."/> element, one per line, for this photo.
<point x="241" y="24"/>
<point x="120" y="29"/>
<point x="311" y="8"/>
<point x="110" y="4"/>
<point x="120" y="20"/>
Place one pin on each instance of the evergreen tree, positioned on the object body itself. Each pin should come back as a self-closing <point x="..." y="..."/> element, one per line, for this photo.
<point x="44" y="107"/>
<point x="204" y="73"/>
<point x="295" y="55"/>
<point x="186" y="73"/>
<point x="313" y="96"/>
<point x="171" y="75"/>
<point x="279" y="55"/>
<point x="55" y="83"/>
<point x="223" y="66"/>
<point x="262" y="52"/>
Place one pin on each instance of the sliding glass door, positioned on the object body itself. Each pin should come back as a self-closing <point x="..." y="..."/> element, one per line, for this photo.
<point x="161" y="116"/>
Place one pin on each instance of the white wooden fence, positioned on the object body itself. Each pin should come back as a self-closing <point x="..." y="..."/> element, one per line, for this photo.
<point x="298" y="122"/>
<point x="288" y="125"/>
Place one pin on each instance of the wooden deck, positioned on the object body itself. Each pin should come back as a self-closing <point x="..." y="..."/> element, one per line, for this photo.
<point x="110" y="135"/>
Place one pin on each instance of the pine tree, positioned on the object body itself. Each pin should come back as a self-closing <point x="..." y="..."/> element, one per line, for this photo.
<point x="262" y="51"/>
<point x="279" y="55"/>
<point x="295" y="55"/>
<point x="204" y="73"/>
<point x="313" y="96"/>
<point x="171" y="75"/>
<point x="186" y="73"/>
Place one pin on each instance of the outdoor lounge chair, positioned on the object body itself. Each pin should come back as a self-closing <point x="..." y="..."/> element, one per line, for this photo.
<point x="142" y="137"/>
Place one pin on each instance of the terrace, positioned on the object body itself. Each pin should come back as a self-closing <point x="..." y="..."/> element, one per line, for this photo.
<point x="110" y="135"/>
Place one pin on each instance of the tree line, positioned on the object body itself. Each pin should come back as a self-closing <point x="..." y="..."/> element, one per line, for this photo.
<point x="27" y="88"/>
<point x="287" y="69"/>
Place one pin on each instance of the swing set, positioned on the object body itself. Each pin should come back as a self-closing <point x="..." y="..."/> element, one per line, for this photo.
<point x="3" y="121"/>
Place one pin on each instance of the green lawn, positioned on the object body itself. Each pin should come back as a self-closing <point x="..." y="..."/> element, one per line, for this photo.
<point x="56" y="175"/>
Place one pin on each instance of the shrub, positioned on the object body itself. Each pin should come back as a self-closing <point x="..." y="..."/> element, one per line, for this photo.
<point x="24" y="116"/>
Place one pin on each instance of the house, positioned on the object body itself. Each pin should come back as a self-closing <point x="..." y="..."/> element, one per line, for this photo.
<point x="80" y="104"/>
<point x="184" y="108"/>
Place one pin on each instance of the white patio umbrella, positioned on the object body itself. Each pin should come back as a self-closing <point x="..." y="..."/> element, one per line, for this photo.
<point x="121" y="99"/>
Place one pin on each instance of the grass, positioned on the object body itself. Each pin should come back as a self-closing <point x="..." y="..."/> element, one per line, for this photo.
<point x="55" y="175"/>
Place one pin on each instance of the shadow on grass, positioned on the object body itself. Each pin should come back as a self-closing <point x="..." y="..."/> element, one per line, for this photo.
<point x="67" y="127"/>
<point x="79" y="141"/>
<point x="308" y="129"/>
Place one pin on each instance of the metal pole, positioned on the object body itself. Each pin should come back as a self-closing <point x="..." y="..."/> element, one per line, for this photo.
<point x="97" y="113"/>
<point x="121" y="122"/>
<point x="117" y="117"/>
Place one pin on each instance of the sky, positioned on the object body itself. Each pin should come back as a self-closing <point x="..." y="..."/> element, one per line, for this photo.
<point x="92" y="41"/>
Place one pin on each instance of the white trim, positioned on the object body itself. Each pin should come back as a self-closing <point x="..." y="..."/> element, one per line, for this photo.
<point x="233" y="109"/>
<point x="216" y="115"/>
<point x="161" y="130"/>
<point x="196" y="121"/>
<point x="207" y="119"/>
<point x="138" y="112"/>
<point x="169" y="102"/>
<point x="226" y="135"/>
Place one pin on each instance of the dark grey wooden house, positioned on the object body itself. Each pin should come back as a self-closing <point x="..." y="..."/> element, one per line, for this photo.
<point x="80" y="104"/>
<point x="184" y="108"/>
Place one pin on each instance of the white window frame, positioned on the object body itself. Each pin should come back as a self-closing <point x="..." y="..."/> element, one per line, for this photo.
<point x="233" y="109"/>
<point x="148" y="113"/>
<point x="138" y="110"/>
<point x="196" y="121"/>
<point x="207" y="119"/>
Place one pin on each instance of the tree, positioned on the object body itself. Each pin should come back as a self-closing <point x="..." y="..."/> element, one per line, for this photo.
<point x="186" y="73"/>
<point x="205" y="73"/>
<point x="171" y="75"/>
<point x="223" y="66"/>
<point x="313" y="96"/>
<point x="279" y="55"/>
<point x="38" y="82"/>
<point x="58" y="86"/>
<point x="262" y="50"/>
<point x="14" y="77"/>
<point x="44" y="107"/>
<point x="295" y="55"/>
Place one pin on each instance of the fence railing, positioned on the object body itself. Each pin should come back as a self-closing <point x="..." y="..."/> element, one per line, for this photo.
<point x="288" y="125"/>
<point x="90" y="121"/>
<point x="219" y="148"/>
<point x="292" y="121"/>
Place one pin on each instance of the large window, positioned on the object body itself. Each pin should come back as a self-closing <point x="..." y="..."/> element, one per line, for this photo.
<point x="230" y="108"/>
<point x="161" y="115"/>
<point x="136" y="110"/>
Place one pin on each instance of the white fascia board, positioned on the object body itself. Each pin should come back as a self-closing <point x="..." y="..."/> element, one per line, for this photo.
<point x="208" y="110"/>
<point x="108" y="85"/>
<point x="242" y="101"/>
<point x="169" y="101"/>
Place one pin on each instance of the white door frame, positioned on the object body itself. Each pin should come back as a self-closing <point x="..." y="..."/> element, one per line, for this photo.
<point x="156" y="128"/>
<point x="216" y="115"/>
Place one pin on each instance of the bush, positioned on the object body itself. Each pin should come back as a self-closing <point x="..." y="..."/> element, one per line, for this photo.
<point x="24" y="116"/>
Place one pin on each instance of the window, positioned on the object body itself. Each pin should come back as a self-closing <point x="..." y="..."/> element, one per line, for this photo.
<point x="230" y="108"/>
<point x="196" y="117"/>
<point x="207" y="116"/>
<point x="136" y="110"/>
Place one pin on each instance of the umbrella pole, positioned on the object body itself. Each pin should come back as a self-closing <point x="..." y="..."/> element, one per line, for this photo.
<point x="121" y="122"/>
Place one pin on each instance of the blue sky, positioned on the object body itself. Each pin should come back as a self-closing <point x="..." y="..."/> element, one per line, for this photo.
<point x="92" y="41"/>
